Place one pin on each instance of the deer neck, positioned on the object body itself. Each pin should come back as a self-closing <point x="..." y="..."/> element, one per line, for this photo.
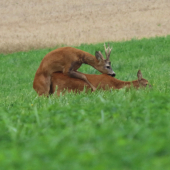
<point x="118" y="84"/>
<point x="135" y="83"/>
<point x="89" y="59"/>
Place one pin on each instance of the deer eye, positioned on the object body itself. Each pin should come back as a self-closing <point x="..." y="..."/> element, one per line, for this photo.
<point x="107" y="66"/>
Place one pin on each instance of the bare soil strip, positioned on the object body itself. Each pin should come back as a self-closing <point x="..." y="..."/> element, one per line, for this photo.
<point x="28" y="24"/>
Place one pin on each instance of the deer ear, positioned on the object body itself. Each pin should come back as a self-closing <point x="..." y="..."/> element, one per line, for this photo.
<point x="98" y="55"/>
<point x="139" y="74"/>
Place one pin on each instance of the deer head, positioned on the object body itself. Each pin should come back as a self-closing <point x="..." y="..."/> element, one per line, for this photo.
<point x="142" y="82"/>
<point x="104" y="65"/>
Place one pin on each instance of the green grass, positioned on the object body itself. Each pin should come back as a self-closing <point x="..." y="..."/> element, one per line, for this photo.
<point x="104" y="130"/>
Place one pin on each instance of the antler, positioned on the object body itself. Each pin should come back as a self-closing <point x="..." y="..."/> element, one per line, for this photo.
<point x="107" y="51"/>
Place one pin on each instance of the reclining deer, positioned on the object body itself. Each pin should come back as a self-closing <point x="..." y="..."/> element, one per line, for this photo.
<point x="103" y="81"/>
<point x="67" y="60"/>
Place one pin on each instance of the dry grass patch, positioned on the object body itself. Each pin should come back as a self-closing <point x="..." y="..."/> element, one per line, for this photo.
<point x="27" y="24"/>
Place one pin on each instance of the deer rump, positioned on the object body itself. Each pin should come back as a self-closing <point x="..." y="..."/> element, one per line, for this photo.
<point x="102" y="81"/>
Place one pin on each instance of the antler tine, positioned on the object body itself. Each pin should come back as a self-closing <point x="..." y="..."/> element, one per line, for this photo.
<point x="107" y="51"/>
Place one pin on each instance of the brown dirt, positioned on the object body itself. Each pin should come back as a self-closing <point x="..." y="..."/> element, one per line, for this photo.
<point x="27" y="24"/>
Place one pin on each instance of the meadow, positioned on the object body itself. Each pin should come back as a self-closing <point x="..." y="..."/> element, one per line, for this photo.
<point x="104" y="130"/>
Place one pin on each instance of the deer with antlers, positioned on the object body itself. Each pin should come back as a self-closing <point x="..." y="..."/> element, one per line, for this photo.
<point x="103" y="81"/>
<point x="67" y="60"/>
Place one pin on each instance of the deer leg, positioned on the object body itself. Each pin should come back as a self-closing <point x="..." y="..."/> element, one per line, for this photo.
<point x="81" y="76"/>
<point x="52" y="89"/>
<point x="42" y="85"/>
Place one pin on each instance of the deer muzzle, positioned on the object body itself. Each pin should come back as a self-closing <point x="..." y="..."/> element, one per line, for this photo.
<point x="113" y="74"/>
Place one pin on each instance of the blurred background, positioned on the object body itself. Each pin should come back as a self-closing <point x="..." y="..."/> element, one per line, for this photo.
<point x="33" y="24"/>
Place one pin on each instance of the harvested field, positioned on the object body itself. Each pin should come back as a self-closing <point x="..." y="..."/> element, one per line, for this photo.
<point x="28" y="24"/>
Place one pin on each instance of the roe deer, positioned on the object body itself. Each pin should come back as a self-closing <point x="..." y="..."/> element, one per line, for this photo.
<point x="67" y="60"/>
<point x="102" y="81"/>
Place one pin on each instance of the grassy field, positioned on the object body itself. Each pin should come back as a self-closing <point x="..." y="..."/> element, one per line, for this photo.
<point x="104" y="130"/>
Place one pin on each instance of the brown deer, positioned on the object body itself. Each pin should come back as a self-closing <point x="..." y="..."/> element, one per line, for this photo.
<point x="103" y="81"/>
<point x="67" y="60"/>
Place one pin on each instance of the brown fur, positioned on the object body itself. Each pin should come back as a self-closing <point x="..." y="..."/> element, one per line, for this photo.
<point x="67" y="60"/>
<point x="102" y="81"/>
